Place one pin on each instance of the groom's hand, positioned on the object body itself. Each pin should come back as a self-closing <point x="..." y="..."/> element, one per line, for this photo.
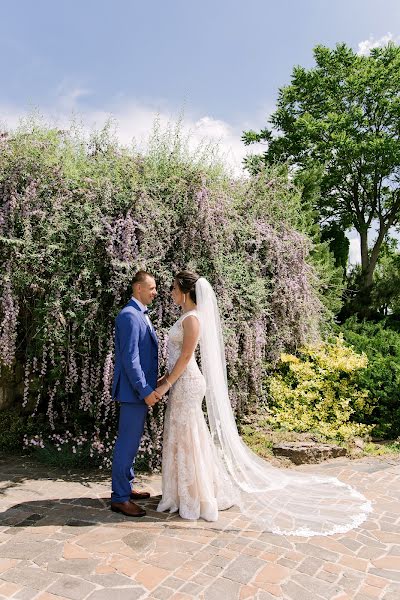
<point x="152" y="398"/>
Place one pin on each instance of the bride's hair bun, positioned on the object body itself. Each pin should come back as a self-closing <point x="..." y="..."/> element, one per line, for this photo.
<point x="187" y="283"/>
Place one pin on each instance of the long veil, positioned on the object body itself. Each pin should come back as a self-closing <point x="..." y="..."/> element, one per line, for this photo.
<point x="282" y="501"/>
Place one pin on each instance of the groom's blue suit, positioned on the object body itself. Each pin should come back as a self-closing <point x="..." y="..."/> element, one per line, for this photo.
<point x="135" y="377"/>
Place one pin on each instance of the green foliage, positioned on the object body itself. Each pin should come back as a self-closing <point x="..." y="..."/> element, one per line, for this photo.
<point x="381" y="377"/>
<point x="79" y="216"/>
<point x="64" y="458"/>
<point x="374" y="449"/>
<point x="341" y="118"/>
<point x="339" y="244"/>
<point x="385" y="294"/>
<point x="257" y="441"/>
<point x="13" y="428"/>
<point x="319" y="390"/>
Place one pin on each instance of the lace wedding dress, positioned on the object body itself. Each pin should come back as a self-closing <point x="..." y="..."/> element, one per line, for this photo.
<point x="204" y="472"/>
<point x="194" y="479"/>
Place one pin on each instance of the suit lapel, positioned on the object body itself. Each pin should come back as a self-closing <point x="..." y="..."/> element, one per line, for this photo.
<point x="151" y="330"/>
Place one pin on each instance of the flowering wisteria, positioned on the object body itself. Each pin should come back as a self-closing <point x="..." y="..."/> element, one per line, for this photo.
<point x="77" y="223"/>
<point x="9" y="311"/>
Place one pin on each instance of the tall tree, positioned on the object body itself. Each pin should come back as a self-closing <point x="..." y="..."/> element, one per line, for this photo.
<point x="343" y="117"/>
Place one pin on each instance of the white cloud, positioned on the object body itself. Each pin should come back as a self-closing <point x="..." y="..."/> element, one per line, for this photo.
<point x="134" y="122"/>
<point x="366" y="46"/>
<point x="354" y="251"/>
<point x="68" y="98"/>
<point x="354" y="239"/>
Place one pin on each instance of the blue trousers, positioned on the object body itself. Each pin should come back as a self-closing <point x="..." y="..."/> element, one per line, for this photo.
<point x="132" y="418"/>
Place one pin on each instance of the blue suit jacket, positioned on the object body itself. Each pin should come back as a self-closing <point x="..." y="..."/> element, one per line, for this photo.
<point x="136" y="356"/>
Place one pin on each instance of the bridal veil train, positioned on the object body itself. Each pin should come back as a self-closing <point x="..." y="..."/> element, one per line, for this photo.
<point x="282" y="501"/>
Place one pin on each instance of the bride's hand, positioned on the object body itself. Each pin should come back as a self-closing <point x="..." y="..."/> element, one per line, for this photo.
<point x="163" y="389"/>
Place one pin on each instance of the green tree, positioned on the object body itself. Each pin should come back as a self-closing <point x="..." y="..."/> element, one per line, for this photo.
<point x="342" y="117"/>
<point x="338" y="243"/>
<point x="386" y="291"/>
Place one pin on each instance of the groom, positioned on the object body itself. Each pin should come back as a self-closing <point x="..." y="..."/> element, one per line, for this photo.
<point x="135" y="381"/>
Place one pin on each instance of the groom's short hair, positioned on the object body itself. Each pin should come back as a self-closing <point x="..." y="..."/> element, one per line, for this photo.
<point x="140" y="276"/>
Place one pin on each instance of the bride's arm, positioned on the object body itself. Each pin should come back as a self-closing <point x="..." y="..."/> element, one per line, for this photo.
<point x="162" y="379"/>
<point x="191" y="329"/>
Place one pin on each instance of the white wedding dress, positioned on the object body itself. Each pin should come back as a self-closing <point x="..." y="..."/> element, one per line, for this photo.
<point x="194" y="479"/>
<point x="205" y="471"/>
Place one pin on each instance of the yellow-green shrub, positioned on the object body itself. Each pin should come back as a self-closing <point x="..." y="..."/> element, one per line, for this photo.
<point x="318" y="390"/>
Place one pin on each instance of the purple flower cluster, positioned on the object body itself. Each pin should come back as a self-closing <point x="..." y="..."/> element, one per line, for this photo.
<point x="9" y="309"/>
<point x="80" y="220"/>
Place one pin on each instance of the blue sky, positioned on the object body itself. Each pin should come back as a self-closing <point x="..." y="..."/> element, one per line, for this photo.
<point x="224" y="59"/>
<point x="221" y="61"/>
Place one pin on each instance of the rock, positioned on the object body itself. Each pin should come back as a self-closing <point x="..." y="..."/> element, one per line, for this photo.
<point x="307" y="452"/>
<point x="358" y="442"/>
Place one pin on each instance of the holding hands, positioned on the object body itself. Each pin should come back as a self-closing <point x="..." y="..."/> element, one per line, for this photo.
<point x="152" y="398"/>
<point x="163" y="386"/>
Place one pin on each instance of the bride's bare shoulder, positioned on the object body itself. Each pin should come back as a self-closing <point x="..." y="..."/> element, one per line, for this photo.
<point x="190" y="320"/>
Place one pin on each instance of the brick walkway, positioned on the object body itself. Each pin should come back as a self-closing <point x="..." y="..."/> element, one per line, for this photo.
<point x="59" y="540"/>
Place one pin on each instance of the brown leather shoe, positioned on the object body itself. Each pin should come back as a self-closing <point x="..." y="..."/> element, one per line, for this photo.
<point x="128" y="508"/>
<point x="139" y="495"/>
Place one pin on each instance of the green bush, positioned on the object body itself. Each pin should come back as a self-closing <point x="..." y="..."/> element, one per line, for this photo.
<point x="79" y="216"/>
<point x="319" y="390"/>
<point x="381" y="377"/>
<point x="14" y="426"/>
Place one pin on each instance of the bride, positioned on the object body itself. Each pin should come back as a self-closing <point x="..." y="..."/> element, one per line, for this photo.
<point x="205" y="472"/>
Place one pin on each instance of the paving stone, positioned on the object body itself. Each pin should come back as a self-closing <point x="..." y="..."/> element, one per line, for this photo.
<point x="187" y="557"/>
<point x="392" y="593"/>
<point x="168" y="560"/>
<point x="27" y="550"/>
<point x="25" y="594"/>
<point x="212" y="570"/>
<point x="109" y="580"/>
<point x="292" y="590"/>
<point x="30" y="577"/>
<point x="310" y="565"/>
<point x="265" y="596"/>
<point x="394" y="550"/>
<point x="271" y="538"/>
<point x="71" y="587"/>
<point x="222" y="589"/>
<point x="390" y="575"/>
<point x="317" y="552"/>
<point x="317" y="586"/>
<point x="173" y="582"/>
<point x="134" y="593"/>
<point x="140" y="540"/>
<point x="387" y="562"/>
<point x="49" y="554"/>
<point x="8" y="589"/>
<point x="350" y="581"/>
<point x="331" y="577"/>
<point x="191" y="588"/>
<point x="243" y="569"/>
<point x="150" y="577"/>
<point x="162" y="593"/>
<point x="220" y="561"/>
<point x="351" y="544"/>
<point x="74" y="566"/>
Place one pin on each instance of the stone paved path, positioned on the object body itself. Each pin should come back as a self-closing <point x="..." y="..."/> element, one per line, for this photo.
<point x="59" y="540"/>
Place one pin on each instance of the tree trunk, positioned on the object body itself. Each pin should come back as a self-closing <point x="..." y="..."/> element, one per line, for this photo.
<point x="362" y="302"/>
<point x="364" y="249"/>
<point x="368" y="273"/>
